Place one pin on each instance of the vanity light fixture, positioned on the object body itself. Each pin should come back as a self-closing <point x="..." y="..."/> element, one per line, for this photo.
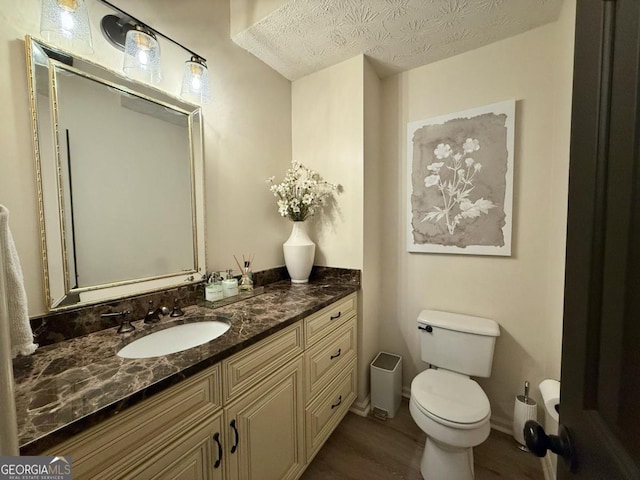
<point x="195" y="81"/>
<point x="142" y="54"/>
<point x="66" y="23"/>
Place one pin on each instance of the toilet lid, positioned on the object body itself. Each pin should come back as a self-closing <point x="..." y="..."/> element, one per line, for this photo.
<point x="450" y="396"/>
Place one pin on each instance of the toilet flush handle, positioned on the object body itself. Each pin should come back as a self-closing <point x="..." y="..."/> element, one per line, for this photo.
<point x="426" y="328"/>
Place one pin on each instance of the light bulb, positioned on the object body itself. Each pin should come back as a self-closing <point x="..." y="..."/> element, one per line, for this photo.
<point x="143" y="57"/>
<point x="67" y="23"/>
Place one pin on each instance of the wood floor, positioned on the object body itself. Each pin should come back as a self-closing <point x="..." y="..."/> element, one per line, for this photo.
<point x="370" y="449"/>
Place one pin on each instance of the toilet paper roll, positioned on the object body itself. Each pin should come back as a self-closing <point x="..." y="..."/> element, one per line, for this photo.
<point x="550" y="392"/>
<point x="523" y="411"/>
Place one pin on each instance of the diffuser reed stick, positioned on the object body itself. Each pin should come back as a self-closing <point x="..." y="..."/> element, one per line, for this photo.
<point x="238" y="263"/>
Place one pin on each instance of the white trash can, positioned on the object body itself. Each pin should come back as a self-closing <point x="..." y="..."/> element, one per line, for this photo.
<point x="386" y="384"/>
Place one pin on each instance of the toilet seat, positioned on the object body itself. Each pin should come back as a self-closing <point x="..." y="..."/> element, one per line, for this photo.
<point x="450" y="399"/>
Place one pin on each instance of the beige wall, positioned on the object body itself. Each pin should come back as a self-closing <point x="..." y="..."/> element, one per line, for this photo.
<point x="559" y="184"/>
<point x="372" y="274"/>
<point x="327" y="131"/>
<point x="245" y="13"/>
<point x="336" y="117"/>
<point x="522" y="292"/>
<point x="247" y="130"/>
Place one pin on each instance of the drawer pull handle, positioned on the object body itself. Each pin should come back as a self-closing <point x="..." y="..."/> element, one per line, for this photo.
<point x="336" y="355"/>
<point x="338" y="403"/>
<point x="333" y="317"/>
<point x="216" y="438"/>
<point x="234" y="447"/>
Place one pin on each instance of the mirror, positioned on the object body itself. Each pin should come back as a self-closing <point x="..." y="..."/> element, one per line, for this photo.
<point x="120" y="173"/>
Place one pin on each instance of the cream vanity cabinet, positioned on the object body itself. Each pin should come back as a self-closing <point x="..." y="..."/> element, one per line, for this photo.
<point x="263" y="405"/>
<point x="261" y="414"/>
<point x="330" y="370"/>
<point x="171" y="432"/>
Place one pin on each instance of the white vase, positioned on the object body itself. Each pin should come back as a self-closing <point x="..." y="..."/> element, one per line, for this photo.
<point x="299" y="252"/>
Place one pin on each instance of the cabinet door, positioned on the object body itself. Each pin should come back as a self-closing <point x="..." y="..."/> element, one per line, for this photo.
<point x="197" y="455"/>
<point x="265" y="432"/>
<point x="120" y="444"/>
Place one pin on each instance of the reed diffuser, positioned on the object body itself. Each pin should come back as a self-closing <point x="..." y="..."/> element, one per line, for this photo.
<point x="246" y="281"/>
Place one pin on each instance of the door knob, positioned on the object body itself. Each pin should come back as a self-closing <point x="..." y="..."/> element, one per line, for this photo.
<point x="538" y="442"/>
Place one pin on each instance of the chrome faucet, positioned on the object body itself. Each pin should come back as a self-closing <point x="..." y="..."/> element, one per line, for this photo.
<point x="125" y="325"/>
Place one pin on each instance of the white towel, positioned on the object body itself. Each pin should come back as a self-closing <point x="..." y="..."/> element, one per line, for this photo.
<point x="19" y="326"/>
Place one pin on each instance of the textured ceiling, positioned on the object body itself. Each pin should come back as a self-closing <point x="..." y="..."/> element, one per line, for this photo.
<point x="304" y="36"/>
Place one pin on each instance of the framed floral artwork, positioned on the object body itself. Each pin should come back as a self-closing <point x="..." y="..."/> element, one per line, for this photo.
<point x="460" y="181"/>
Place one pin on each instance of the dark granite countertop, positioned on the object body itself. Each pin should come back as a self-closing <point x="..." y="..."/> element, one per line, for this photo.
<point x="66" y="387"/>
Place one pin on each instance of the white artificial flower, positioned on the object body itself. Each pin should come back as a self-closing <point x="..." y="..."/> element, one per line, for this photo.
<point x="301" y="191"/>
<point x="477" y="167"/>
<point x="469" y="161"/>
<point x="435" y="167"/>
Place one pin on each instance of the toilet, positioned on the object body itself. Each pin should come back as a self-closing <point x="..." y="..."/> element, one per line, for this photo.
<point x="451" y="408"/>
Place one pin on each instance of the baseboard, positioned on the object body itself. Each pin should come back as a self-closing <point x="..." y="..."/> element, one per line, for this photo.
<point x="500" y="427"/>
<point x="361" y="408"/>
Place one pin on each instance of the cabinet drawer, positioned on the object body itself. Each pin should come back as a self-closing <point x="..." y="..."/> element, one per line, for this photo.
<point x="321" y="323"/>
<point x="249" y="366"/>
<point x="325" y="412"/>
<point x="116" y="445"/>
<point x="328" y="357"/>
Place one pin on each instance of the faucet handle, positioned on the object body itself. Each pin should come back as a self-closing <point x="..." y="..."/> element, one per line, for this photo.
<point x="152" y="315"/>
<point x="125" y="326"/>
<point x="177" y="311"/>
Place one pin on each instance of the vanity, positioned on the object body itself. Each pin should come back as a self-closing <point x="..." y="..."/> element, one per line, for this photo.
<point x="257" y="402"/>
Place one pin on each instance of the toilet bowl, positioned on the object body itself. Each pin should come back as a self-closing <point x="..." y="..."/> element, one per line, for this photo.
<point x="451" y="408"/>
<point x="454" y="412"/>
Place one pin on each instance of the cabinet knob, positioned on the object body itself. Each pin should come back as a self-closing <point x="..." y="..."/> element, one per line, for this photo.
<point x="333" y="317"/>
<point x="337" y="403"/>
<point x="336" y="355"/>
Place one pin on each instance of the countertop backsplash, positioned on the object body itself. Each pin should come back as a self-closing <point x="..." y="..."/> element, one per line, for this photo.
<point x="60" y="326"/>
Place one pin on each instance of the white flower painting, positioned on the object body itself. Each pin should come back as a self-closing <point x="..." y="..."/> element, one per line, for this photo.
<point x="460" y="181"/>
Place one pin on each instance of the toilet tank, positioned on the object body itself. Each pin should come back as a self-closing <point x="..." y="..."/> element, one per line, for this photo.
<point x="456" y="342"/>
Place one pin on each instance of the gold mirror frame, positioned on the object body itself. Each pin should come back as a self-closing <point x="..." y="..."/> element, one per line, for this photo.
<point x="59" y="295"/>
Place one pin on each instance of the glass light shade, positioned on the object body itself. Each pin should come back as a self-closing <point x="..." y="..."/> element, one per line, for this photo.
<point x="65" y="23"/>
<point x="142" y="55"/>
<point x="195" y="82"/>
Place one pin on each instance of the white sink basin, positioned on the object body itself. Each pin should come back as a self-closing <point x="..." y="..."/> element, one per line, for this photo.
<point x="174" y="339"/>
